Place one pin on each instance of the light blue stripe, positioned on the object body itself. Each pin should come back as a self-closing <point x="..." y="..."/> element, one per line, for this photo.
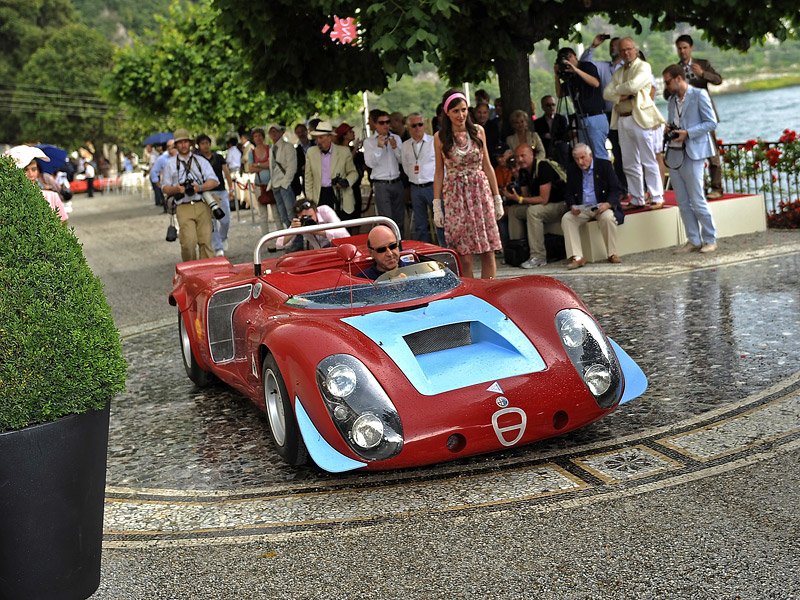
<point x="325" y="455"/>
<point x="499" y="349"/>
<point x="635" y="379"/>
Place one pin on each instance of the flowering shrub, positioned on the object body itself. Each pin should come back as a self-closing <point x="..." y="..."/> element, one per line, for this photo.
<point x="768" y="167"/>
<point x="786" y="217"/>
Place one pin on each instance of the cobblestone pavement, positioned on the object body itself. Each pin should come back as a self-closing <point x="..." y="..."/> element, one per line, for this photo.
<point x="689" y="491"/>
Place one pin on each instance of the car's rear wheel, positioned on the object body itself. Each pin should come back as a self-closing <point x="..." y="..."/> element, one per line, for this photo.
<point x="199" y="377"/>
<point x="282" y="422"/>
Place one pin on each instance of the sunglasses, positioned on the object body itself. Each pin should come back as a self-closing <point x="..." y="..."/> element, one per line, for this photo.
<point x="415" y="125"/>
<point x="382" y="249"/>
<point x="383" y="122"/>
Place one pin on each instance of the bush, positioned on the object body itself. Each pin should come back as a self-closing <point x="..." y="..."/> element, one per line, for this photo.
<point x="60" y="352"/>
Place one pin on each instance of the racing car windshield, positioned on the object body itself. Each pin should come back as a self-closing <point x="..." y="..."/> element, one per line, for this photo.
<point x="401" y="286"/>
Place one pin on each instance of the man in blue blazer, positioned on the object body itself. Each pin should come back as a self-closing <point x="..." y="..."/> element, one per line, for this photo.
<point x="593" y="193"/>
<point x="691" y="121"/>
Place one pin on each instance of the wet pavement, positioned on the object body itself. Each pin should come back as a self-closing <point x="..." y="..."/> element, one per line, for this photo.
<point x="194" y="483"/>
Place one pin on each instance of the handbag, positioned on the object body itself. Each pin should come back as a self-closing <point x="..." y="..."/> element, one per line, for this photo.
<point x="516" y="252"/>
<point x="266" y="197"/>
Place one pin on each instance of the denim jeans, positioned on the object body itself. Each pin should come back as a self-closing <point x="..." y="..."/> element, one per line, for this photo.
<point x="284" y="201"/>
<point x="219" y="233"/>
<point x="596" y="128"/>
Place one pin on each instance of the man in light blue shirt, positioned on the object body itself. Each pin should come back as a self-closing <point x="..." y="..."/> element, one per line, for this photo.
<point x="155" y="173"/>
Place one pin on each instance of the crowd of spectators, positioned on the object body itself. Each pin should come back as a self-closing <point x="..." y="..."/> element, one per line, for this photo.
<point x="463" y="177"/>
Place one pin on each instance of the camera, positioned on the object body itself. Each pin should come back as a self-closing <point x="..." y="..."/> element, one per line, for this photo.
<point x="213" y="204"/>
<point x="671" y="133"/>
<point x="340" y="182"/>
<point x="511" y="162"/>
<point x="563" y="69"/>
<point x="188" y="186"/>
<point x="514" y="188"/>
<point x="605" y="36"/>
<point x="307" y="220"/>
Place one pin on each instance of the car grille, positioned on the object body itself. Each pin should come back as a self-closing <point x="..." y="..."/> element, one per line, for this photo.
<point x="436" y="339"/>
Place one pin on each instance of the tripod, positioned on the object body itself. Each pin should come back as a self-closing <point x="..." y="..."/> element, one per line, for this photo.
<point x="576" y="126"/>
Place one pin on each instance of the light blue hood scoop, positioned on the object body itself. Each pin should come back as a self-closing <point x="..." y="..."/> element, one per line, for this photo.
<point x="451" y="344"/>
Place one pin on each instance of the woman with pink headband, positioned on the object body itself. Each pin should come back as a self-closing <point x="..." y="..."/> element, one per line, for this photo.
<point x="466" y="202"/>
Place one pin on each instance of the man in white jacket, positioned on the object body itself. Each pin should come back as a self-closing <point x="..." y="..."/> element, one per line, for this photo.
<point x="638" y="121"/>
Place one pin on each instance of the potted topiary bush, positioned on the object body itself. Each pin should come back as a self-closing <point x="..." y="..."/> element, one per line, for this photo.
<point x="60" y="365"/>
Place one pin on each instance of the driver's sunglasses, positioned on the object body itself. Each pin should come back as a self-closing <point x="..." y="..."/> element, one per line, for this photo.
<point x="382" y="249"/>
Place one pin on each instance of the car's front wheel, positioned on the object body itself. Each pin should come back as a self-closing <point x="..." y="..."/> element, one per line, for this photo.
<point x="282" y="422"/>
<point x="199" y="377"/>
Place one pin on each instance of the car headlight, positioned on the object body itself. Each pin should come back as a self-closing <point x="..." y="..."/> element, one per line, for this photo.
<point x="340" y="381"/>
<point x="359" y="407"/>
<point x="367" y="431"/>
<point x="591" y="355"/>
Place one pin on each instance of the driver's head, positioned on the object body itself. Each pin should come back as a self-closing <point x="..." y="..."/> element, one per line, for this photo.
<point x="383" y="248"/>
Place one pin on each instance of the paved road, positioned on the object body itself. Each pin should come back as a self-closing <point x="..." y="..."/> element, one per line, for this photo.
<point x="689" y="492"/>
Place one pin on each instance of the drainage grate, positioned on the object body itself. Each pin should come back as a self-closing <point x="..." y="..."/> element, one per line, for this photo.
<point x="436" y="339"/>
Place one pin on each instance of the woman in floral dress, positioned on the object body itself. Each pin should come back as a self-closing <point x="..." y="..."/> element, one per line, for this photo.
<point x="466" y="202"/>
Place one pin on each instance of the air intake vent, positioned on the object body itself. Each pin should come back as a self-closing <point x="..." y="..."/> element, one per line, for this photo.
<point x="439" y="338"/>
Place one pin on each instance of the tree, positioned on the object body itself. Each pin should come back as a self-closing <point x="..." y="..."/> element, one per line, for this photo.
<point x="24" y="27"/>
<point x="55" y="100"/>
<point x="190" y="73"/>
<point x="466" y="40"/>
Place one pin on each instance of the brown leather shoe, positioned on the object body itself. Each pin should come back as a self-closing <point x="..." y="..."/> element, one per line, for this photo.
<point x="614" y="259"/>
<point x="576" y="263"/>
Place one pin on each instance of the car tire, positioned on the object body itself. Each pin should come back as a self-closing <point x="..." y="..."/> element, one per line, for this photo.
<point x="199" y="377"/>
<point x="280" y="416"/>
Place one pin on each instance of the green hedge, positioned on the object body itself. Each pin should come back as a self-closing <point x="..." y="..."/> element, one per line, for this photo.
<point x="60" y="352"/>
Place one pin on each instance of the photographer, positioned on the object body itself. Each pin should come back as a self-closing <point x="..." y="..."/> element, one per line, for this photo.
<point x="185" y="179"/>
<point x="689" y="143"/>
<point x="534" y="198"/>
<point x="307" y="213"/>
<point x="581" y="82"/>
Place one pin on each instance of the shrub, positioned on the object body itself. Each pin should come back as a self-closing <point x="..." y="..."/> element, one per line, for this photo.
<point x="786" y="217"/>
<point x="60" y="352"/>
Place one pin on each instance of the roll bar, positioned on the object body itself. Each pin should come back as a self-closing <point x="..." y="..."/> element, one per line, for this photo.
<point x="293" y="231"/>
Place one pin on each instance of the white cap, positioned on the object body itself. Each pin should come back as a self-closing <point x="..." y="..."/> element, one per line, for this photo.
<point x="23" y="155"/>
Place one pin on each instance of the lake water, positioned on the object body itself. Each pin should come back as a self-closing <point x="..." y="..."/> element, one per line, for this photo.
<point x="749" y="115"/>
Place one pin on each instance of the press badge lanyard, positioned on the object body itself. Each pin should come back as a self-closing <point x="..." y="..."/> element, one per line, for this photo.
<point x="416" y="156"/>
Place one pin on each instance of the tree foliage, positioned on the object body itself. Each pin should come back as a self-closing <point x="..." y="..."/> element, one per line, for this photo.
<point x="55" y="98"/>
<point x="466" y="40"/>
<point x="192" y="74"/>
<point x="24" y="27"/>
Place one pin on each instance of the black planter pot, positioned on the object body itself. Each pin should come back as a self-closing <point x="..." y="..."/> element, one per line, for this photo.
<point x="52" y="488"/>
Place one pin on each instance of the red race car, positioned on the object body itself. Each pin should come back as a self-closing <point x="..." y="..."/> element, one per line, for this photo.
<point x="417" y="367"/>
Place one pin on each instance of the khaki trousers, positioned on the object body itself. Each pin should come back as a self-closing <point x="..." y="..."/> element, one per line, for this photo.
<point x="534" y="216"/>
<point x="194" y="221"/>
<point x="571" y="224"/>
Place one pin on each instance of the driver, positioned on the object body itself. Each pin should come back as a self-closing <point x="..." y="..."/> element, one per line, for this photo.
<point x="308" y="213"/>
<point x="384" y="250"/>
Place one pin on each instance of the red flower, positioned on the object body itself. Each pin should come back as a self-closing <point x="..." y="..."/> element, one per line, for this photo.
<point x="750" y="144"/>
<point x="788" y="136"/>
<point x="773" y="156"/>
<point x="774" y="178"/>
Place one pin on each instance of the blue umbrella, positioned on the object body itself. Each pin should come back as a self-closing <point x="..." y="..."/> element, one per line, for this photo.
<point x="57" y="156"/>
<point x="157" y="138"/>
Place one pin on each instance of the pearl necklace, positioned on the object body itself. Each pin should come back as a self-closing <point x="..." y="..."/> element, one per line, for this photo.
<point x="462" y="149"/>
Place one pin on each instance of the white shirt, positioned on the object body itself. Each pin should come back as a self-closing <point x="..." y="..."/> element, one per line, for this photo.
<point x="234" y="159"/>
<point x="384" y="162"/>
<point x="419" y="161"/>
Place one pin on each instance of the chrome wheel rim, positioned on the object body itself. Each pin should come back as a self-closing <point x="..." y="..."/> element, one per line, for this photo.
<point x="186" y="346"/>
<point x="274" y="403"/>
